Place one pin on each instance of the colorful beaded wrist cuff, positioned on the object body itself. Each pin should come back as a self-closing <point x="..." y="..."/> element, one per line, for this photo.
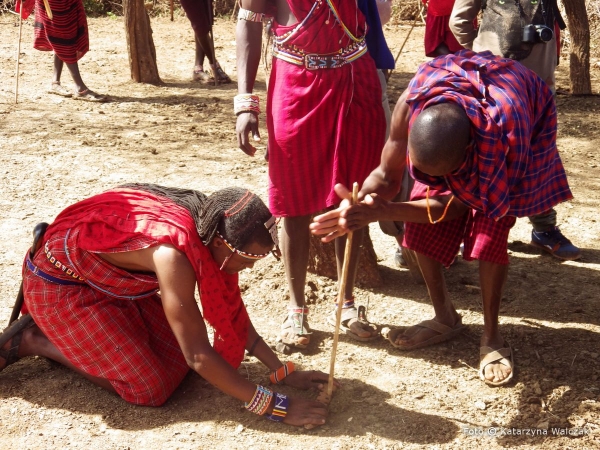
<point x="246" y="103"/>
<point x="280" y="409"/>
<point x="250" y="16"/>
<point x="260" y="401"/>
<point x="279" y="374"/>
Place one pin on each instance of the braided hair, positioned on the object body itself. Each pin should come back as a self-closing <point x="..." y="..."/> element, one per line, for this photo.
<point x="236" y="213"/>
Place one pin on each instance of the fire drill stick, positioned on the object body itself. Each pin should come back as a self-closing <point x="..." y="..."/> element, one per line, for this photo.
<point x="340" y="302"/>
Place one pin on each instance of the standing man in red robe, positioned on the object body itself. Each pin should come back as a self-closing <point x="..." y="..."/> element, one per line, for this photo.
<point x="62" y="28"/>
<point x="326" y="125"/>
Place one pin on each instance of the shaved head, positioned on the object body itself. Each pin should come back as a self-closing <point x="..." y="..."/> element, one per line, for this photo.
<point x="438" y="139"/>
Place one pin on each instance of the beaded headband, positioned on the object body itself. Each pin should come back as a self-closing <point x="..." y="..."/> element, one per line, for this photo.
<point x="246" y="255"/>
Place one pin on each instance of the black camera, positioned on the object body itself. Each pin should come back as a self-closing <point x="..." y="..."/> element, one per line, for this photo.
<point x="537" y="33"/>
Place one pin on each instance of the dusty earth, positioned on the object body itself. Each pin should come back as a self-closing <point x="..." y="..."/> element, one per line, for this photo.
<point x="56" y="151"/>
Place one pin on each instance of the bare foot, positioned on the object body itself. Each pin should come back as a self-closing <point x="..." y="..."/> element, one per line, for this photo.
<point x="418" y="334"/>
<point x="496" y="363"/>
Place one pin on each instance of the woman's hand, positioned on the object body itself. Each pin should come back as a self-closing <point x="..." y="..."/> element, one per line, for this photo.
<point x="302" y="411"/>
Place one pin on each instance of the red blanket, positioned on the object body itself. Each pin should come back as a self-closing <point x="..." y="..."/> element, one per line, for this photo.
<point x="110" y="221"/>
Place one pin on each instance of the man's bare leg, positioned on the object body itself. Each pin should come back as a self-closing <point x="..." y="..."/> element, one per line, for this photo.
<point x="295" y="242"/>
<point x="359" y="328"/>
<point x="73" y="70"/>
<point x="35" y="343"/>
<point x="492" y="278"/>
<point x="445" y="313"/>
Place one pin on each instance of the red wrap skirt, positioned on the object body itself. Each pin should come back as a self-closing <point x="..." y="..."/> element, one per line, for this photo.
<point x="125" y="339"/>
<point x="485" y="239"/>
<point x="66" y="34"/>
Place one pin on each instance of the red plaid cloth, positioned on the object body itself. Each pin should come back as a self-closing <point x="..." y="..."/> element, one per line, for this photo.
<point x="126" y="219"/>
<point x="325" y="126"/>
<point x="485" y="239"/>
<point x="514" y="168"/>
<point x="437" y="32"/>
<point x="127" y="342"/>
<point x="66" y="34"/>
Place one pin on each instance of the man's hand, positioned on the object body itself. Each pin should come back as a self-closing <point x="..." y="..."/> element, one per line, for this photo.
<point x="247" y="123"/>
<point x="312" y="379"/>
<point x="348" y="217"/>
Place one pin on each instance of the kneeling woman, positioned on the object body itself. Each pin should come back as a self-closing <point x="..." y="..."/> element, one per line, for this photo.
<point x="110" y="294"/>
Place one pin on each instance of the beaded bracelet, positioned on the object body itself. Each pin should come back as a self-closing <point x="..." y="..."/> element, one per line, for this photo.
<point x="279" y="374"/>
<point x="246" y="103"/>
<point x="250" y="16"/>
<point x="260" y="401"/>
<point x="282" y="402"/>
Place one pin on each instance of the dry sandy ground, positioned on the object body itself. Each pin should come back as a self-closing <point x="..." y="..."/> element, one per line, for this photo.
<point x="55" y="151"/>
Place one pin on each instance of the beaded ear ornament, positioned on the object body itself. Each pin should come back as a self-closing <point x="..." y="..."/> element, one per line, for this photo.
<point x="271" y="226"/>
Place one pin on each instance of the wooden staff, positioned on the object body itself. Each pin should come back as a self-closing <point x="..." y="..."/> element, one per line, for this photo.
<point x="421" y="8"/>
<point x="18" y="56"/>
<point x="48" y="10"/>
<point x="341" y="294"/>
<point x="171" y="7"/>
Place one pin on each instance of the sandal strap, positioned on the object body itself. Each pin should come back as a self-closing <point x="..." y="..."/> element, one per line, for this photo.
<point x="298" y="323"/>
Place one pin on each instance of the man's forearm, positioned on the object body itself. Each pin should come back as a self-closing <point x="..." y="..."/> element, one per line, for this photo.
<point x="248" y="52"/>
<point x="417" y="211"/>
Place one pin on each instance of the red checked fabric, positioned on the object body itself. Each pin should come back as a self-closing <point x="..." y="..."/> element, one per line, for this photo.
<point x="114" y="326"/>
<point x="485" y="239"/>
<point x="515" y="168"/>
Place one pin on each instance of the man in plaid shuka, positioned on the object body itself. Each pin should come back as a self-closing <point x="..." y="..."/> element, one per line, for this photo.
<point x="479" y="134"/>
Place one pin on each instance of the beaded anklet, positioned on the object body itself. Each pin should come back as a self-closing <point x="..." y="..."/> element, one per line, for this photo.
<point x="279" y="374"/>
<point x="348" y="303"/>
<point x="282" y="402"/>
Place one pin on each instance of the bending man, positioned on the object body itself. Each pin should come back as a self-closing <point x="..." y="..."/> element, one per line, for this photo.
<point x="480" y="132"/>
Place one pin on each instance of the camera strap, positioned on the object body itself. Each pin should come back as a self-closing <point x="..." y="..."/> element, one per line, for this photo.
<point x="526" y="21"/>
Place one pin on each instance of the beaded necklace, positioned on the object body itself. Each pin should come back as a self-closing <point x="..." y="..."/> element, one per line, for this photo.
<point x="431" y="221"/>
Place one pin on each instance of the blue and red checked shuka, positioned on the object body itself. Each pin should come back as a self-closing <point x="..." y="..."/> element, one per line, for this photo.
<point x="112" y="325"/>
<point x="513" y="168"/>
<point x="326" y="126"/>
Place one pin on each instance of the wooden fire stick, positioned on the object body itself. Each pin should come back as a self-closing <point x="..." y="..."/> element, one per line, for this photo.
<point x="341" y="294"/>
<point x="325" y="395"/>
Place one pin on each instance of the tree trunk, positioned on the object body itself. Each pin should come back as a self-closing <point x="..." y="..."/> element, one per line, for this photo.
<point x="142" y="54"/>
<point x="579" y="56"/>
<point x="321" y="261"/>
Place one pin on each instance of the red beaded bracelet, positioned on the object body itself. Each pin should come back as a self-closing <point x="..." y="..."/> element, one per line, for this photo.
<point x="279" y="374"/>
